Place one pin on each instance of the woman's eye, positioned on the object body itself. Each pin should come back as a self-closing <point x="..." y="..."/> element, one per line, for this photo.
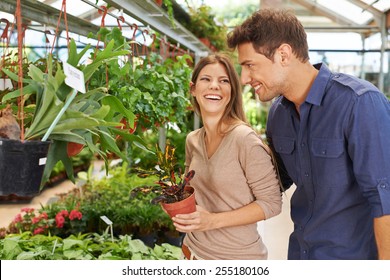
<point x="225" y="81"/>
<point x="204" y="79"/>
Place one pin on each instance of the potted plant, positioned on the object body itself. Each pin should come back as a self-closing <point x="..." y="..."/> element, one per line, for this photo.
<point x="173" y="190"/>
<point x="204" y="26"/>
<point x="91" y="118"/>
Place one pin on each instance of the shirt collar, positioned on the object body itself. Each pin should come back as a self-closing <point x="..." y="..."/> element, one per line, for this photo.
<point x="319" y="87"/>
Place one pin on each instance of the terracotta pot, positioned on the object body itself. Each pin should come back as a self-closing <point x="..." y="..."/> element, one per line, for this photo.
<point x="185" y="206"/>
<point x="74" y="148"/>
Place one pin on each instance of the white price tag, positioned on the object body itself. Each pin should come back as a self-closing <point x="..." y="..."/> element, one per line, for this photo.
<point x="42" y="161"/>
<point x="5" y="84"/>
<point x="74" y="77"/>
<point x="106" y="220"/>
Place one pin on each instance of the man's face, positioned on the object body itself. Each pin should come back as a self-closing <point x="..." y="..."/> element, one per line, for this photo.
<point x="265" y="76"/>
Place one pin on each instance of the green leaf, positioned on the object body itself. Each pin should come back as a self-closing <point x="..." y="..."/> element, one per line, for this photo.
<point x="75" y="57"/>
<point x="57" y="152"/>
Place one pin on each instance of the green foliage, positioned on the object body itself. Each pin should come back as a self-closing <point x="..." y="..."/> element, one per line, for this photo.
<point x="256" y="112"/>
<point x="82" y="247"/>
<point x="204" y="25"/>
<point x="91" y="118"/>
<point x="155" y="91"/>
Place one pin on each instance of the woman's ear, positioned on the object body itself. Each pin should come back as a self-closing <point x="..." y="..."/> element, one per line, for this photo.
<point x="192" y="87"/>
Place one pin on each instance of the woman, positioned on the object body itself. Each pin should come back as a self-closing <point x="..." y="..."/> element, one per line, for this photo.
<point x="236" y="183"/>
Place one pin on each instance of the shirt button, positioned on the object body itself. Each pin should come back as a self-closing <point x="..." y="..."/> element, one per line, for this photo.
<point x="304" y="251"/>
<point x="306" y="174"/>
<point x="323" y="152"/>
<point x="383" y="186"/>
<point x="302" y="145"/>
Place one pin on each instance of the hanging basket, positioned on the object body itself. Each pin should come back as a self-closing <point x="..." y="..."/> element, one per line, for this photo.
<point x="21" y="167"/>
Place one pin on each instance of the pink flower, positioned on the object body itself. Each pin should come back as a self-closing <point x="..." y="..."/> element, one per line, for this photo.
<point x="60" y="220"/>
<point x="27" y="210"/>
<point x="35" y="220"/>
<point x="63" y="213"/>
<point x="74" y="214"/>
<point x="44" y="216"/>
<point x="38" y="230"/>
<point x="18" y="218"/>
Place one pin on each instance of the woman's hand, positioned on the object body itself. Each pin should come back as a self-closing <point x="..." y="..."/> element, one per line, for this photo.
<point x="200" y="220"/>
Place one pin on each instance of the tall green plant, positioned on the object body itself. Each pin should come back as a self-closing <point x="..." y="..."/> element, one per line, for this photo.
<point x="91" y="118"/>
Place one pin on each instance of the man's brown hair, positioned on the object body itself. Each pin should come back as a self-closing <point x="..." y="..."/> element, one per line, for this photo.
<point x="267" y="29"/>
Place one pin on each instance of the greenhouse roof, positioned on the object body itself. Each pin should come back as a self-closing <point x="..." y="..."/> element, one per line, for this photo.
<point x="365" y="17"/>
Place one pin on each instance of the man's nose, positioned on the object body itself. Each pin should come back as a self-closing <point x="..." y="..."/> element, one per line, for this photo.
<point x="245" y="77"/>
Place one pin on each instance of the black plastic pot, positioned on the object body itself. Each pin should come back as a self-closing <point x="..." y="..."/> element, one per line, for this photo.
<point x="21" y="167"/>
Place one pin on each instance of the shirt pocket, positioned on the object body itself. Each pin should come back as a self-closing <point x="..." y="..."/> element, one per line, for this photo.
<point x="330" y="162"/>
<point x="285" y="147"/>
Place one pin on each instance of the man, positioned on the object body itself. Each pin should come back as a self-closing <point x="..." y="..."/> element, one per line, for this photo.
<point x="331" y="136"/>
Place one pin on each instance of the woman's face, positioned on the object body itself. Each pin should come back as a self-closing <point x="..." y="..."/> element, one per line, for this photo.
<point x="212" y="90"/>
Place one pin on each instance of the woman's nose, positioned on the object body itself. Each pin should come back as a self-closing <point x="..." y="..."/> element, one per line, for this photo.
<point x="214" y="84"/>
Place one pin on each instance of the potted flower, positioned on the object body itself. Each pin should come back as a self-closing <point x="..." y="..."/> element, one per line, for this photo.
<point x="173" y="190"/>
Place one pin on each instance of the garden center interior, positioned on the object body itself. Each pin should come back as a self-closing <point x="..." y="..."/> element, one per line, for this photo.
<point x="351" y="36"/>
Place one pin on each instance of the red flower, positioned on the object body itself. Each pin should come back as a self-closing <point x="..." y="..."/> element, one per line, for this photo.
<point x="74" y="214"/>
<point x="27" y="210"/>
<point x="18" y="218"/>
<point x="44" y="216"/>
<point x="64" y="213"/>
<point x="35" y="220"/>
<point x="60" y="220"/>
<point x="38" y="231"/>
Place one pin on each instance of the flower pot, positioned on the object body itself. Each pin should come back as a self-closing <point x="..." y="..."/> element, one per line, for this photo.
<point x="184" y="206"/>
<point x="73" y="148"/>
<point x="21" y="166"/>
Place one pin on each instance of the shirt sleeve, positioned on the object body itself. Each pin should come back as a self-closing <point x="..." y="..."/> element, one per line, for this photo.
<point x="261" y="175"/>
<point x="369" y="149"/>
<point x="285" y="179"/>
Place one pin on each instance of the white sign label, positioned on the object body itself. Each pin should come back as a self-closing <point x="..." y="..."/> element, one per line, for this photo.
<point x="5" y="84"/>
<point x="74" y="77"/>
<point x="42" y="161"/>
<point x="106" y="220"/>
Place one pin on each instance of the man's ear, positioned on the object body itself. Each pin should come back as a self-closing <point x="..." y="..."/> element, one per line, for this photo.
<point x="285" y="53"/>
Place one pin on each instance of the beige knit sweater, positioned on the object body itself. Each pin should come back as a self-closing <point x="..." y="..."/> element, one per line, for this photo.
<point x="238" y="173"/>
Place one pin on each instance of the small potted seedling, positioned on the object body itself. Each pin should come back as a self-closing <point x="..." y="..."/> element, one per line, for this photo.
<point x="175" y="194"/>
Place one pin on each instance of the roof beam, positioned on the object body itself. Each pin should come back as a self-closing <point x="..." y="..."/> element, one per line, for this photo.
<point x="323" y="11"/>
<point x="367" y="7"/>
<point x="150" y="14"/>
<point x="34" y="10"/>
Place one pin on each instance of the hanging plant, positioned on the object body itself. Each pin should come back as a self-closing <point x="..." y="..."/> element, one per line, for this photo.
<point x="91" y="118"/>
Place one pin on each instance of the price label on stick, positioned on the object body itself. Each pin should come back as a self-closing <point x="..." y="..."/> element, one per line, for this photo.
<point x="106" y="220"/>
<point x="74" y="77"/>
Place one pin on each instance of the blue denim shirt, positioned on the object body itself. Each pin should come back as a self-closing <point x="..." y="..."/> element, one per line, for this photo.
<point x="337" y="152"/>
